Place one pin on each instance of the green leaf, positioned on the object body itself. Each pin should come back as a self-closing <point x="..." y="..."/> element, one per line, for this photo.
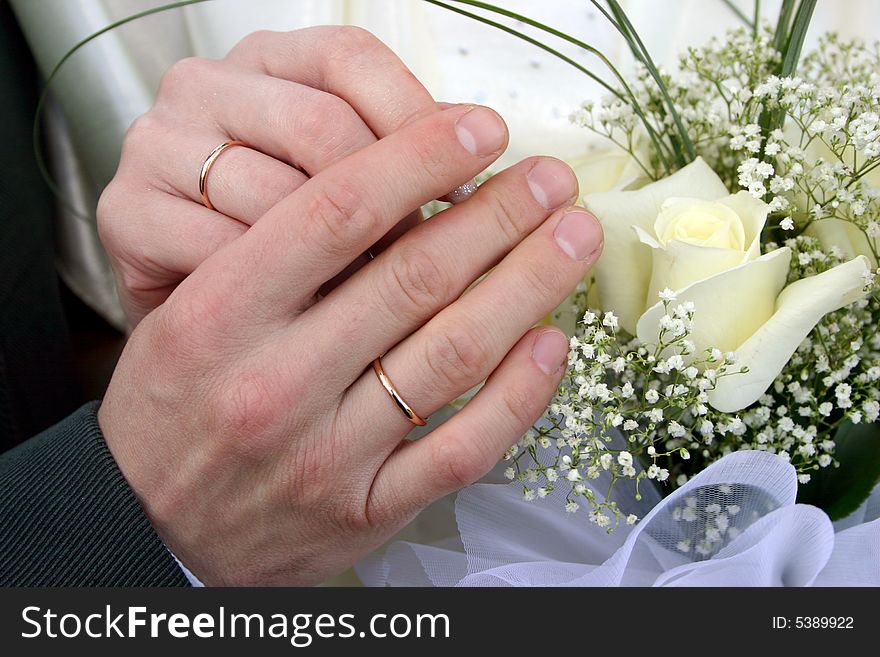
<point x="840" y="491"/>
<point x="783" y="23"/>
<point x="796" y="38"/>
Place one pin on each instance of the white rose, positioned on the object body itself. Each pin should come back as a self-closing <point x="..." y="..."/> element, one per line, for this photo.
<point x="687" y="233"/>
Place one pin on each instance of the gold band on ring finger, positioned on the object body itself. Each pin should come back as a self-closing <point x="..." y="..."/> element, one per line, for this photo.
<point x="206" y="169"/>
<point x="405" y="408"/>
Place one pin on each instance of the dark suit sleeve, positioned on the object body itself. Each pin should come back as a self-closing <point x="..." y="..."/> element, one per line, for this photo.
<point x="68" y="517"/>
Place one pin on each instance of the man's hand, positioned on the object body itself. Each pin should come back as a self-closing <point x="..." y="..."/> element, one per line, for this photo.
<point x="244" y="412"/>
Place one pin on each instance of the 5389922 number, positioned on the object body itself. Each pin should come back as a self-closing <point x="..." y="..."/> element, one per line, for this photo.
<point x="823" y="622"/>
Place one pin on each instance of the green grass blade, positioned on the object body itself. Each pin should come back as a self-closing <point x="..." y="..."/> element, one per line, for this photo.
<point x="41" y="102"/>
<point x="652" y="69"/>
<point x="661" y="147"/>
<point x="795" y="43"/>
<point x="780" y="37"/>
<point x="739" y="13"/>
<point x="528" y="39"/>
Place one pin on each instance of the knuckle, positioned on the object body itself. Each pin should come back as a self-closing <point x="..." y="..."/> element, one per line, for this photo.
<point x="179" y="332"/>
<point x="140" y="141"/>
<point x="161" y="335"/>
<point x="428" y="150"/>
<point x="332" y="126"/>
<point x="253" y="42"/>
<point x="193" y="318"/>
<point x="182" y="74"/>
<point x="518" y="403"/>
<point x="459" y="462"/>
<point x="506" y="213"/>
<point x="141" y="131"/>
<point x="543" y="282"/>
<point x="243" y="407"/>
<point x="457" y="357"/>
<point x="417" y="278"/>
<point x="107" y="214"/>
<point x="339" y="216"/>
<point x="131" y="280"/>
<point x="352" y="41"/>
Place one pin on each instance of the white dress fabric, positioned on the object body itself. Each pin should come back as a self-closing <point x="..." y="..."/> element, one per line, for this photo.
<point x="734" y="524"/>
<point x="113" y="79"/>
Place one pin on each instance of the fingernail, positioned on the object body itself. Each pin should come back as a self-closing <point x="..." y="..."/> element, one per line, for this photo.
<point x="481" y="131"/>
<point x="579" y="234"/>
<point x="461" y="193"/>
<point x="550" y="351"/>
<point x="552" y="183"/>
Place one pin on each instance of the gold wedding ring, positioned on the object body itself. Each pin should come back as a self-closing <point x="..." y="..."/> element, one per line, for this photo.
<point x="405" y="408"/>
<point x="206" y="169"/>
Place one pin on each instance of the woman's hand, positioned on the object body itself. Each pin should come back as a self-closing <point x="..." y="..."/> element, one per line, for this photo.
<point x="301" y="100"/>
<point x="244" y="412"/>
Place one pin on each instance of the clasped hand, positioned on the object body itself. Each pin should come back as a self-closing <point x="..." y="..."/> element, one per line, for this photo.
<point x="244" y="412"/>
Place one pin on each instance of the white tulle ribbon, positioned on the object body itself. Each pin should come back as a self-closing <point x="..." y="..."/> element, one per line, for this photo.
<point x="734" y="524"/>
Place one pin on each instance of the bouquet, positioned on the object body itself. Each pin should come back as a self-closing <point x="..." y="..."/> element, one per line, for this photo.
<point x="721" y="400"/>
<point x="735" y="306"/>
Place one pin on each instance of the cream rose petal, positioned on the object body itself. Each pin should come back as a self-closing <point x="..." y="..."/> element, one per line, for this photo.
<point x="730" y="306"/>
<point x="603" y="170"/>
<point x="680" y="264"/>
<point x="753" y="214"/>
<point x="798" y="309"/>
<point x="699" y="222"/>
<point x="623" y="273"/>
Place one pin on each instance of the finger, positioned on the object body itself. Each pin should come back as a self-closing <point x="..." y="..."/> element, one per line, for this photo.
<point x="242" y="183"/>
<point x="304" y="127"/>
<point x="463" y="192"/>
<point x="291" y="129"/>
<point x="470" y="443"/>
<point x="400" y="228"/>
<point x="463" y="343"/>
<point x="318" y="230"/>
<point x="344" y="61"/>
<point x="431" y="266"/>
<point x="156" y="240"/>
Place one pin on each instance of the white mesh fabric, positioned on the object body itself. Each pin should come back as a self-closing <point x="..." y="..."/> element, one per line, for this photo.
<point x="734" y="524"/>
